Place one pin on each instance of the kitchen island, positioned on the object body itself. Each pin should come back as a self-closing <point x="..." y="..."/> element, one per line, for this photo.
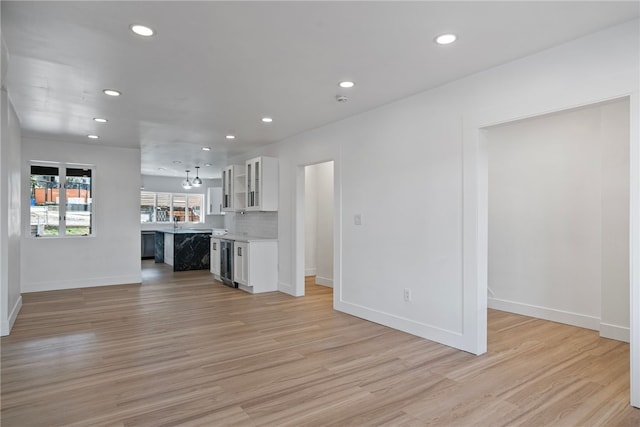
<point x="184" y="249"/>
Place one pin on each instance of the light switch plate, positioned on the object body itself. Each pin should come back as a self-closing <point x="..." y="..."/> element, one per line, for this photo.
<point x="357" y="219"/>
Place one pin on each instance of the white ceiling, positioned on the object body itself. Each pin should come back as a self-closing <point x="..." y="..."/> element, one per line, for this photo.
<point x="215" y="68"/>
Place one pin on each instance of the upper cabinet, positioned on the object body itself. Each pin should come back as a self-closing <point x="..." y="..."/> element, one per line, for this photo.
<point x="214" y="201"/>
<point x="261" y="176"/>
<point x="233" y="189"/>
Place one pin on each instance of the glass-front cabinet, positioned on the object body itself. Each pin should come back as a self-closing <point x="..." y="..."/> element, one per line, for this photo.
<point x="261" y="184"/>
<point x="233" y="189"/>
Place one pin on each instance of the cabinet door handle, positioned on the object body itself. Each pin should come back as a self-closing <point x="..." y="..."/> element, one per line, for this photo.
<point x="239" y="251"/>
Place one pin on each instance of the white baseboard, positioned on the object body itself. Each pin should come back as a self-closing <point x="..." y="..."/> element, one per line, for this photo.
<point x="80" y="283"/>
<point x="7" y="325"/>
<point x="451" y="338"/>
<point x="324" y="281"/>
<point x="615" y="332"/>
<point x="560" y="316"/>
<point x="287" y="288"/>
<point x="310" y="271"/>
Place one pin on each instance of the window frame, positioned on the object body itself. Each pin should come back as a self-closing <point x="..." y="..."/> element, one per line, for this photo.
<point x="171" y="207"/>
<point x="62" y="198"/>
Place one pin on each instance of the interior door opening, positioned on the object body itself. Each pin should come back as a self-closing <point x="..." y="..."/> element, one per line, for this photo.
<point x="558" y="231"/>
<point x="559" y="217"/>
<point x="318" y="225"/>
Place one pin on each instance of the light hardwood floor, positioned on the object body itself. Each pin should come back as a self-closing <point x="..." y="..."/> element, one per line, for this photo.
<point x="181" y="349"/>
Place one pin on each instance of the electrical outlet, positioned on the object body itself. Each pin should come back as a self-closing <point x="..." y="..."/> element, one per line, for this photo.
<point x="407" y="294"/>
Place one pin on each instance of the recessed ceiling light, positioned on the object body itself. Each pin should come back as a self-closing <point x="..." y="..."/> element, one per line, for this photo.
<point x="176" y="162"/>
<point x="206" y="148"/>
<point x="446" y="38"/>
<point x="346" y="84"/>
<point x="161" y="169"/>
<point x="230" y="137"/>
<point x="93" y="136"/>
<point x="207" y="164"/>
<point x="267" y="119"/>
<point x="141" y="30"/>
<point x="99" y="120"/>
<point x="111" y="92"/>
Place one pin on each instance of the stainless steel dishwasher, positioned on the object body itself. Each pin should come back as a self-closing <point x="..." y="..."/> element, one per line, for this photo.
<point x="226" y="262"/>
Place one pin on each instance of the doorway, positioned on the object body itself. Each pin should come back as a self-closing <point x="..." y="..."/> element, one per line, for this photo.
<point x="558" y="215"/>
<point x="476" y="200"/>
<point x="318" y="225"/>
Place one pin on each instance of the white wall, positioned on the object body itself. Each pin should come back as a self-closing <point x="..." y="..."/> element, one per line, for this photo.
<point x="411" y="170"/>
<point x="112" y="256"/>
<point x="319" y="222"/>
<point x="550" y="212"/>
<point x="164" y="184"/>
<point x="10" y="279"/>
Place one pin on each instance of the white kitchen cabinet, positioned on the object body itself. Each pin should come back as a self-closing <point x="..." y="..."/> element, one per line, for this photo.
<point x="256" y="266"/>
<point x="233" y="189"/>
<point x="215" y="257"/>
<point x="241" y="263"/>
<point x="262" y="184"/>
<point x="214" y="201"/>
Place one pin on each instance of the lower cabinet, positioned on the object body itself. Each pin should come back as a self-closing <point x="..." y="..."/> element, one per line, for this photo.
<point x="148" y="241"/>
<point x="215" y="257"/>
<point x="240" y="263"/>
<point x="255" y="267"/>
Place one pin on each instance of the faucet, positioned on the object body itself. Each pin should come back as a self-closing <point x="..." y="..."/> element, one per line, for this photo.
<point x="175" y="222"/>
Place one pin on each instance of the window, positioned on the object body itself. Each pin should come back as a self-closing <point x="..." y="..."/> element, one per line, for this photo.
<point x="165" y="207"/>
<point x="61" y="213"/>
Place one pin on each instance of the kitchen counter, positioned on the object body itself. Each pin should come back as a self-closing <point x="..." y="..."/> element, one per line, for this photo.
<point x="244" y="238"/>
<point x="185" y="231"/>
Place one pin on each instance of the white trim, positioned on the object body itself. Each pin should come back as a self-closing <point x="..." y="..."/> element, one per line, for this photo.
<point x="81" y="283"/>
<point x="634" y="244"/>
<point x="615" y="332"/>
<point x="298" y="245"/>
<point x="8" y="325"/>
<point x="310" y="271"/>
<point x="337" y="230"/>
<point x="324" y="281"/>
<point x="546" y="313"/>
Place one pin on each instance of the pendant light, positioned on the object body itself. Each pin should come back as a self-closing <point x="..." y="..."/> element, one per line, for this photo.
<point x="186" y="184"/>
<point x="197" y="182"/>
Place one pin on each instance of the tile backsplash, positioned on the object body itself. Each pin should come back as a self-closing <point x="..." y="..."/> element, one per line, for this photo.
<point x="257" y="224"/>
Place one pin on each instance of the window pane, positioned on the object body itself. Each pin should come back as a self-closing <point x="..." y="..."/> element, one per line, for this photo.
<point x="146" y="206"/>
<point x="195" y="207"/>
<point x="79" y="203"/>
<point x="179" y="204"/>
<point x="45" y="196"/>
<point x="163" y="207"/>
